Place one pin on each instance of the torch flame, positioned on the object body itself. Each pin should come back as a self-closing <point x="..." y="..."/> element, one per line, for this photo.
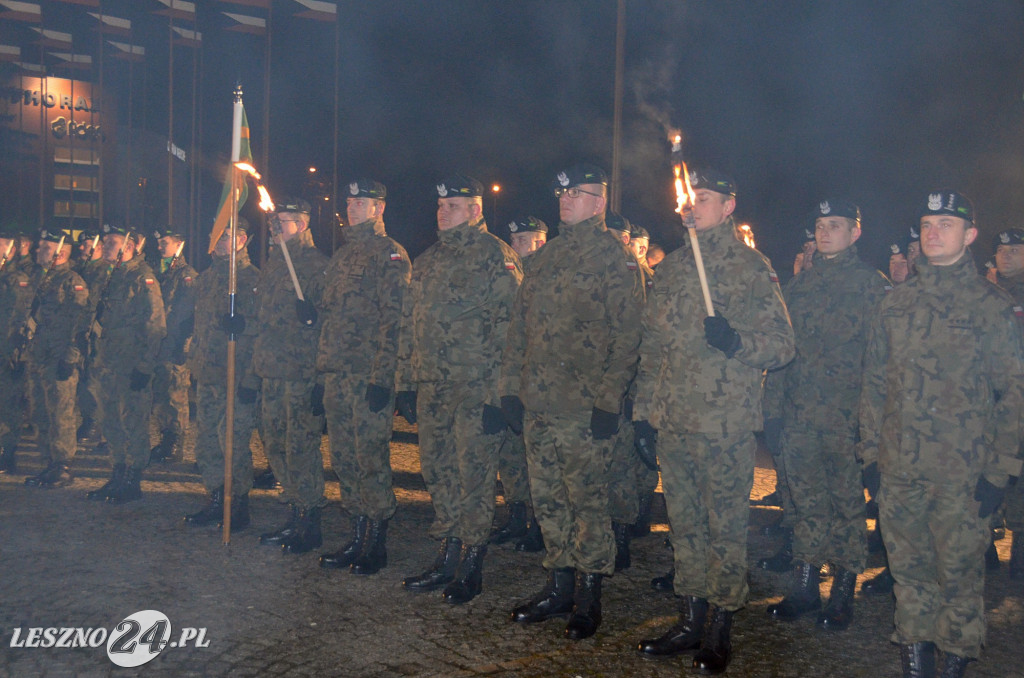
<point x="266" y="204"/>
<point x="748" y="236"/>
<point x="246" y="167"/>
<point x="684" y="190"/>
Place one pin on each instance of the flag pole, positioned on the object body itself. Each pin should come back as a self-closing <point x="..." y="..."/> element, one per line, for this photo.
<point x="229" y="412"/>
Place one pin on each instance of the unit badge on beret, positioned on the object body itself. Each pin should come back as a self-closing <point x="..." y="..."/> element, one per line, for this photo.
<point x="353" y="188"/>
<point x="1004" y="237"/>
<point x="894" y="248"/>
<point x="824" y="207"/>
<point x="913" y="231"/>
<point x="934" y="201"/>
<point x="563" y="178"/>
<point x="513" y="227"/>
<point x="442" y="190"/>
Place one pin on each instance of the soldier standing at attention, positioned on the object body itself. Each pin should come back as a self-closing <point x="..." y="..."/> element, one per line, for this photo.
<point x="207" y="361"/>
<point x="699" y="398"/>
<point x="359" y="297"/>
<point x="941" y="409"/>
<point x="818" y="396"/>
<point x="171" y="378"/>
<point x="16" y="292"/>
<point x="284" y="358"/>
<point x="453" y="332"/>
<point x="571" y="353"/>
<point x="94" y="269"/>
<point x="133" y="326"/>
<point x="60" y="315"/>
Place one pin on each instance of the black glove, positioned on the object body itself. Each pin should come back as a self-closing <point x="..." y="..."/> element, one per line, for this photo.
<point x="405" y="403"/>
<point x="64" y="370"/>
<point x="377" y="397"/>
<point x="645" y="439"/>
<point x="872" y="478"/>
<point x="232" y="324"/>
<point x="603" y="425"/>
<point x="247" y="396"/>
<point x="720" y="334"/>
<point x="494" y="420"/>
<point x="512" y="409"/>
<point x="306" y="312"/>
<point x="138" y="380"/>
<point x="989" y="495"/>
<point x="316" y="400"/>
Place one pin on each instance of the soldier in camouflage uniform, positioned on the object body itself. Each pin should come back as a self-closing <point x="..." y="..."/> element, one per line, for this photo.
<point x="16" y="293"/>
<point x="699" y="399"/>
<point x="131" y="315"/>
<point x="359" y="298"/>
<point x="1010" y="276"/>
<point x="171" y="378"/>
<point x="941" y="409"/>
<point x="571" y="354"/>
<point x="453" y="331"/>
<point x="207" y="362"/>
<point x="526" y="236"/>
<point x="284" y="358"/>
<point x="818" y="395"/>
<point x="94" y="270"/>
<point x="59" y="320"/>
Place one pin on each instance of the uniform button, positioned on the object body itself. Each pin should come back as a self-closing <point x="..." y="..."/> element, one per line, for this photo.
<point x="561" y="364"/>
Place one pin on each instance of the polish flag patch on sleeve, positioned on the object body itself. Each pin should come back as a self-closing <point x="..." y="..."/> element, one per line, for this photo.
<point x="79" y="288"/>
<point x="773" y="277"/>
<point x="631" y="265"/>
<point x="510" y="266"/>
<point x="150" y="281"/>
<point x="22" y="283"/>
<point x="1018" y="311"/>
<point x="395" y="256"/>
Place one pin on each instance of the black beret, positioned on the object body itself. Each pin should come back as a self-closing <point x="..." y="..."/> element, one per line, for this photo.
<point x="292" y="205"/>
<point x="949" y="202"/>
<point x="583" y="173"/>
<point x="367" y="188"/>
<point x="527" y="224"/>
<point x="713" y="180"/>
<point x="837" y="208"/>
<point x="460" y="186"/>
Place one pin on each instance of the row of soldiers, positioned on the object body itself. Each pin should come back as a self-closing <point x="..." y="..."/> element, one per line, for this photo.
<point x="577" y="354"/>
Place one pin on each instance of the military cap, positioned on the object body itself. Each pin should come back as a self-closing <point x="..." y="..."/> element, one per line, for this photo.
<point x="116" y="229"/>
<point x="367" y="188"/>
<point x="915" y="235"/>
<point x="1011" y="236"/>
<point x="169" y="232"/>
<point x="837" y="208"/>
<point x="583" y="173"/>
<point x="292" y="205"/>
<point x="55" y="234"/>
<point x="949" y="202"/>
<point x="460" y="186"/>
<point x="638" y="233"/>
<point x="86" y="235"/>
<point x="809" y="235"/>
<point x="525" y="224"/>
<point x="616" y="222"/>
<point x="897" y="248"/>
<point x="713" y="180"/>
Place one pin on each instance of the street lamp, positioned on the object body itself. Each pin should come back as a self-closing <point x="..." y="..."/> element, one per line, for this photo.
<point x="495" y="190"/>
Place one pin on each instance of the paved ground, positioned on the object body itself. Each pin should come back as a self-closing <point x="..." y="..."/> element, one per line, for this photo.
<point x="66" y="562"/>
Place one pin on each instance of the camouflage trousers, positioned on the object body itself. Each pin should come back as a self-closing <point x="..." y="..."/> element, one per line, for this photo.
<point x="291" y="440"/>
<point x="54" y="415"/>
<point x="623" y="477"/>
<point x="125" y="418"/>
<point x="1014" y="509"/>
<point x="936" y="544"/>
<point x="774" y="448"/>
<point x="707" y="480"/>
<point x="569" y="485"/>
<point x="360" y="446"/>
<point x="170" y="397"/>
<point x="827" y="490"/>
<point x="459" y="462"/>
<point x="512" y="469"/>
<point x="12" y="407"/>
<point x="89" y="396"/>
<point x="211" y="425"/>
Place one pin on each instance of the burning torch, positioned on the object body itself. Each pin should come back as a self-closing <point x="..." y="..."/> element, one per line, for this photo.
<point x="685" y="199"/>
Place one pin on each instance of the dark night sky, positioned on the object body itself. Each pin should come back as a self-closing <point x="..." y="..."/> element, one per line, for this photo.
<point x="876" y="101"/>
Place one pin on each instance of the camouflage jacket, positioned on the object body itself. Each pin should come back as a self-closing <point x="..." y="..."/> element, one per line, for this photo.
<point x="133" y="319"/>
<point x="572" y="345"/>
<point x="208" y="352"/>
<point x="359" y="297"/>
<point x="285" y="348"/>
<point x="943" y="393"/>
<point x="94" y="273"/>
<point x="1014" y="286"/>
<point x="61" y="313"/>
<point x="830" y="307"/>
<point x="456" y="313"/>
<point x="684" y="384"/>
<point x="178" y="287"/>
<point x="16" y="293"/>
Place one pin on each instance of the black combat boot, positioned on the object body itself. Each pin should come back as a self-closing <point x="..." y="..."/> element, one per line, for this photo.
<point x="7" y="461"/>
<point x="265" y="480"/>
<point x="307" y="535"/>
<point x="992" y="557"/>
<point x="586" y="608"/>
<point x="514" y="527"/>
<point x="347" y="554"/>
<point x="240" y="517"/>
<point x="715" y="647"/>
<point x="285" y="532"/>
<point x="554" y="600"/>
<point x="622" y="560"/>
<point x="838" y="614"/>
<point x="642" y="526"/>
<point x="782" y="561"/>
<point x="86" y="430"/>
<point x="111" y="486"/>
<point x="212" y="513"/>
<point x="685" y="635"/>
<point x="665" y="582"/>
<point x="442" y="572"/>
<point x="373" y="556"/>
<point x="56" y="474"/>
<point x="533" y="540"/>
<point x="918" y="660"/>
<point x="166" y="449"/>
<point x="468" y="580"/>
<point x="129" y="490"/>
<point x="879" y="584"/>
<point x="772" y="499"/>
<point x="1017" y="555"/>
<point x="804" y="597"/>
<point x="953" y="666"/>
<point x="875" y="543"/>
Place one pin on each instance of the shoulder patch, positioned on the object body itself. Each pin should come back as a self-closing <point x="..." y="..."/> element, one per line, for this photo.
<point x="395" y="256"/>
<point x="510" y="265"/>
<point x="149" y="281"/>
<point x="22" y="283"/>
<point x="631" y="265"/>
<point x="1018" y="311"/>
<point x="773" y="276"/>
<point x="79" y="288"/>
